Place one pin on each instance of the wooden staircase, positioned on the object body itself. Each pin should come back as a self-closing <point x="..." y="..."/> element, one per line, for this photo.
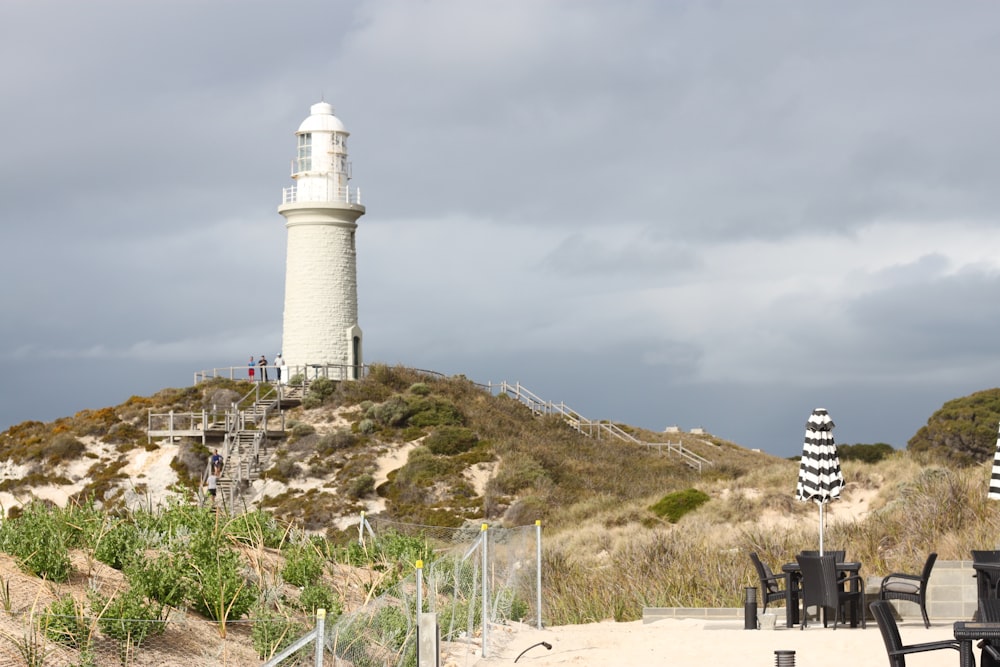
<point x="249" y="439"/>
<point x="597" y="429"/>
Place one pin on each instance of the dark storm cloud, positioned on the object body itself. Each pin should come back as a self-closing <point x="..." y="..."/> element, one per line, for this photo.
<point x="656" y="212"/>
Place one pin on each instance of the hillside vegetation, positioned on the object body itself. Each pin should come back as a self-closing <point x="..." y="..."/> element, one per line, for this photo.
<point x="625" y="526"/>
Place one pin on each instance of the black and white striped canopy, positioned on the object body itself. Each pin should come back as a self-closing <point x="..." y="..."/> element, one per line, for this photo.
<point x="994" y="493"/>
<point x="820" y="478"/>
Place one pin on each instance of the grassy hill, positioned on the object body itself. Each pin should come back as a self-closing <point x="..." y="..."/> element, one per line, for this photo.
<point x="440" y="451"/>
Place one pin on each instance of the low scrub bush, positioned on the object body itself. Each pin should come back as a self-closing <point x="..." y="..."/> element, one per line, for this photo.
<point x="675" y="505"/>
<point x="451" y="440"/>
<point x="303" y="565"/>
<point x="64" y="622"/>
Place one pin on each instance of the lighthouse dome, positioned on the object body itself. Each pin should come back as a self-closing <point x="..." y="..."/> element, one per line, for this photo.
<point x="321" y="119"/>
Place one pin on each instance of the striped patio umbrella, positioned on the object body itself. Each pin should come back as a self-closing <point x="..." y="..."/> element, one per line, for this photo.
<point x="994" y="493"/>
<point x="820" y="479"/>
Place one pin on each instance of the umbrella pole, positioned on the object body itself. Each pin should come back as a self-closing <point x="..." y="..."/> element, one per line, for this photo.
<point x="821" y="528"/>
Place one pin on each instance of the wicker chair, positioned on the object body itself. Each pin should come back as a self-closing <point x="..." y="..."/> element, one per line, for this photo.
<point x="911" y="587"/>
<point x="822" y="588"/>
<point x="771" y="589"/>
<point x="987" y="588"/>
<point x="839" y="555"/>
<point x="882" y="611"/>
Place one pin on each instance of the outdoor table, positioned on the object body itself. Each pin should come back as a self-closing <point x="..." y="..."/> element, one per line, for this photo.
<point x="794" y="585"/>
<point x="968" y="632"/>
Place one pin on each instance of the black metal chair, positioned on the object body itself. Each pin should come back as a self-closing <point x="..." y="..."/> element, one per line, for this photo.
<point x="989" y="611"/>
<point x="839" y="555"/>
<point x="910" y="587"/>
<point x="986" y="587"/>
<point x="822" y="588"/>
<point x="882" y="611"/>
<point x="771" y="586"/>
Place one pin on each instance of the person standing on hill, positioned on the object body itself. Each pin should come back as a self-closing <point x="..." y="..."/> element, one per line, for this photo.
<point x="263" y="368"/>
<point x="250" y="370"/>
<point x="279" y="368"/>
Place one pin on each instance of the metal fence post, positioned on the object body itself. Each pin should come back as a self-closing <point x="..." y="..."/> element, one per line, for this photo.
<point x="420" y="588"/>
<point x="486" y="600"/>
<point x="538" y="572"/>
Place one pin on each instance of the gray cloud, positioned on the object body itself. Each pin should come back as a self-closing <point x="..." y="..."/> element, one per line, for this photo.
<point x="704" y="214"/>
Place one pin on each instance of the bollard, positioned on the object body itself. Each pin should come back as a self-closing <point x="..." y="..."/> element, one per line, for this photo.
<point x="784" y="659"/>
<point x="750" y="609"/>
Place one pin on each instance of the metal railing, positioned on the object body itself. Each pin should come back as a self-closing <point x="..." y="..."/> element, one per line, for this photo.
<point x="329" y="193"/>
<point x="305" y="371"/>
<point x="594" y="429"/>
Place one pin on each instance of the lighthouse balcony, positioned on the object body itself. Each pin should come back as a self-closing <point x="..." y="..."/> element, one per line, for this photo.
<point x="319" y="193"/>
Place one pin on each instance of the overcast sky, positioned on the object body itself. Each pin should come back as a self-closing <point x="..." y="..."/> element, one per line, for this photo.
<point x="703" y="214"/>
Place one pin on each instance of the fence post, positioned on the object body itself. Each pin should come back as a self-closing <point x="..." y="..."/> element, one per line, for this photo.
<point x="420" y="589"/>
<point x="538" y="571"/>
<point x="320" y="636"/>
<point x="486" y="600"/>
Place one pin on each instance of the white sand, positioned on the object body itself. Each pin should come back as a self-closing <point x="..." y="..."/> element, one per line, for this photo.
<point x="706" y="643"/>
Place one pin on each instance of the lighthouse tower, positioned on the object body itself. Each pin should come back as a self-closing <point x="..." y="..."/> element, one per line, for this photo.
<point x="321" y="282"/>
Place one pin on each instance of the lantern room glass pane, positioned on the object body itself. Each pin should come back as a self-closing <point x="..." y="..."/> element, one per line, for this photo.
<point x="303" y="160"/>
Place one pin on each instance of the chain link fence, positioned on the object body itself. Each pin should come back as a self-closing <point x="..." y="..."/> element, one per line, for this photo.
<point x="460" y="586"/>
<point x="475" y="574"/>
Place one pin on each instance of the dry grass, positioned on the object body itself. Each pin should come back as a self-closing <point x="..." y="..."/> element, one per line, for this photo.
<point x="602" y="565"/>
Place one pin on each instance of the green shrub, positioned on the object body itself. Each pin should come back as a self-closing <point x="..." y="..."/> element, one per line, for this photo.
<point x="366" y="426"/>
<point x="272" y="633"/>
<point x="303" y="565"/>
<point x="316" y="596"/>
<point x="394" y="412"/>
<point x="451" y="440"/>
<point x="64" y="622"/>
<point x="166" y="578"/>
<point x="64" y="447"/>
<point x="301" y="430"/>
<point x="119" y="544"/>
<point x="332" y="442"/>
<point x="420" y="389"/>
<point x="257" y="528"/>
<point x="37" y="539"/>
<point x="219" y="589"/>
<point x="865" y="453"/>
<point x="675" y="505"/>
<point x="128" y="616"/>
<point x="361" y="486"/>
<point x="434" y="411"/>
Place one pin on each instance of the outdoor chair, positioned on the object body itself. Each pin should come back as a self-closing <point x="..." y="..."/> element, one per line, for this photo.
<point x="770" y="584"/>
<point x="989" y="611"/>
<point x="910" y="587"/>
<point x="822" y="588"/>
<point x="882" y="611"/>
<point x="839" y="555"/>
<point x="984" y="582"/>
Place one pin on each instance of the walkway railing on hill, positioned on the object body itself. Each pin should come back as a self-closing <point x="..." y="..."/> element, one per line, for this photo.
<point x="595" y="429"/>
<point x="306" y="371"/>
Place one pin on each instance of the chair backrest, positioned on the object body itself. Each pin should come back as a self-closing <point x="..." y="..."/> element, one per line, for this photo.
<point x="882" y="611"/>
<point x="819" y="580"/>
<point x="985" y="556"/>
<point x="839" y="555"/>
<point x="926" y="574"/>
<point x="764" y="573"/>
<point x="989" y="610"/>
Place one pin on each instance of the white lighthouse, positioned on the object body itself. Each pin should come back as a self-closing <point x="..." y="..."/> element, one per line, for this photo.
<point x="321" y="210"/>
